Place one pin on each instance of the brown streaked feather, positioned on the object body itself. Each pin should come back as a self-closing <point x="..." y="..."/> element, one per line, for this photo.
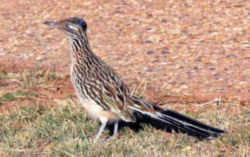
<point x="104" y="95"/>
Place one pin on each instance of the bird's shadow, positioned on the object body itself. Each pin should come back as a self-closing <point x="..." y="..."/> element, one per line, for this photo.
<point x="157" y="124"/>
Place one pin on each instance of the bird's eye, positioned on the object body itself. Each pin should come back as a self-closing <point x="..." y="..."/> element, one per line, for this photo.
<point x="72" y="27"/>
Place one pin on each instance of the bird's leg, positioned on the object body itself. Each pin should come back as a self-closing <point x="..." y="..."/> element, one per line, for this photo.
<point x="115" y="128"/>
<point x="103" y="125"/>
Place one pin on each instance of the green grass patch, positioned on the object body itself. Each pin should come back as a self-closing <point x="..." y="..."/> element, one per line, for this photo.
<point x="65" y="130"/>
<point x="7" y="97"/>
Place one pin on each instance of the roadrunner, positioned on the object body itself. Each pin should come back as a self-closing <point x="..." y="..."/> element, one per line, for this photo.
<point x="104" y="95"/>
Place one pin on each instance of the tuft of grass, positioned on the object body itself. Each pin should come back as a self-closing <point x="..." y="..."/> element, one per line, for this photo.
<point x="3" y="75"/>
<point x="18" y="95"/>
<point x="32" y="78"/>
<point x="7" y="97"/>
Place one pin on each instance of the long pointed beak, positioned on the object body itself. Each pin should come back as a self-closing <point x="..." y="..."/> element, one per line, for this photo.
<point x="51" y="24"/>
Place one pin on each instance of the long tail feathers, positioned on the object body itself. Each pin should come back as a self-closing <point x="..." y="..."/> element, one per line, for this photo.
<point x="182" y="123"/>
<point x="187" y="124"/>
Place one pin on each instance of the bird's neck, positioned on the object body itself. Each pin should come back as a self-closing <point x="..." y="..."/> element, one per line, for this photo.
<point x="82" y="55"/>
<point x="80" y="48"/>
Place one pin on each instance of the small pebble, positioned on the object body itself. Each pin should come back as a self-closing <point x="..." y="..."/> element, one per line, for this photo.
<point x="148" y="42"/>
<point x="165" y="51"/>
<point x="38" y="58"/>
<point x="150" y="52"/>
<point x="2" y="54"/>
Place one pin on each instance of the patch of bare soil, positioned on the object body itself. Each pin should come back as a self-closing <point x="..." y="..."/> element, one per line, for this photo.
<point x="193" y="50"/>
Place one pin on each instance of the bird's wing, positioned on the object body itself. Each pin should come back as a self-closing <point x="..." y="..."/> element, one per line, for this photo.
<point x="122" y="98"/>
<point x="109" y="91"/>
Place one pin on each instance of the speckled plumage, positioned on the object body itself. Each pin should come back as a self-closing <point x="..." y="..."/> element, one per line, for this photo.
<point x="104" y="95"/>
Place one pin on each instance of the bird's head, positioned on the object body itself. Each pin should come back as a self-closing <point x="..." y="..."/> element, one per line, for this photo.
<point x="73" y="27"/>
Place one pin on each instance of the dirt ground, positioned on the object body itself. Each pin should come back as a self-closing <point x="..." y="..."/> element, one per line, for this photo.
<point x="197" y="49"/>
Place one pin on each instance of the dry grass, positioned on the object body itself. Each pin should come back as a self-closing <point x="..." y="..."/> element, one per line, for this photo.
<point x="41" y="118"/>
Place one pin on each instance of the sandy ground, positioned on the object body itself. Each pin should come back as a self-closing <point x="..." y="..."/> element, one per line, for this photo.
<point x="190" y="48"/>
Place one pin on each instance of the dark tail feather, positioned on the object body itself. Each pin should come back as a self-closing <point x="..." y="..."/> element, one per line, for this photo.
<point x="180" y="122"/>
<point x="187" y="124"/>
